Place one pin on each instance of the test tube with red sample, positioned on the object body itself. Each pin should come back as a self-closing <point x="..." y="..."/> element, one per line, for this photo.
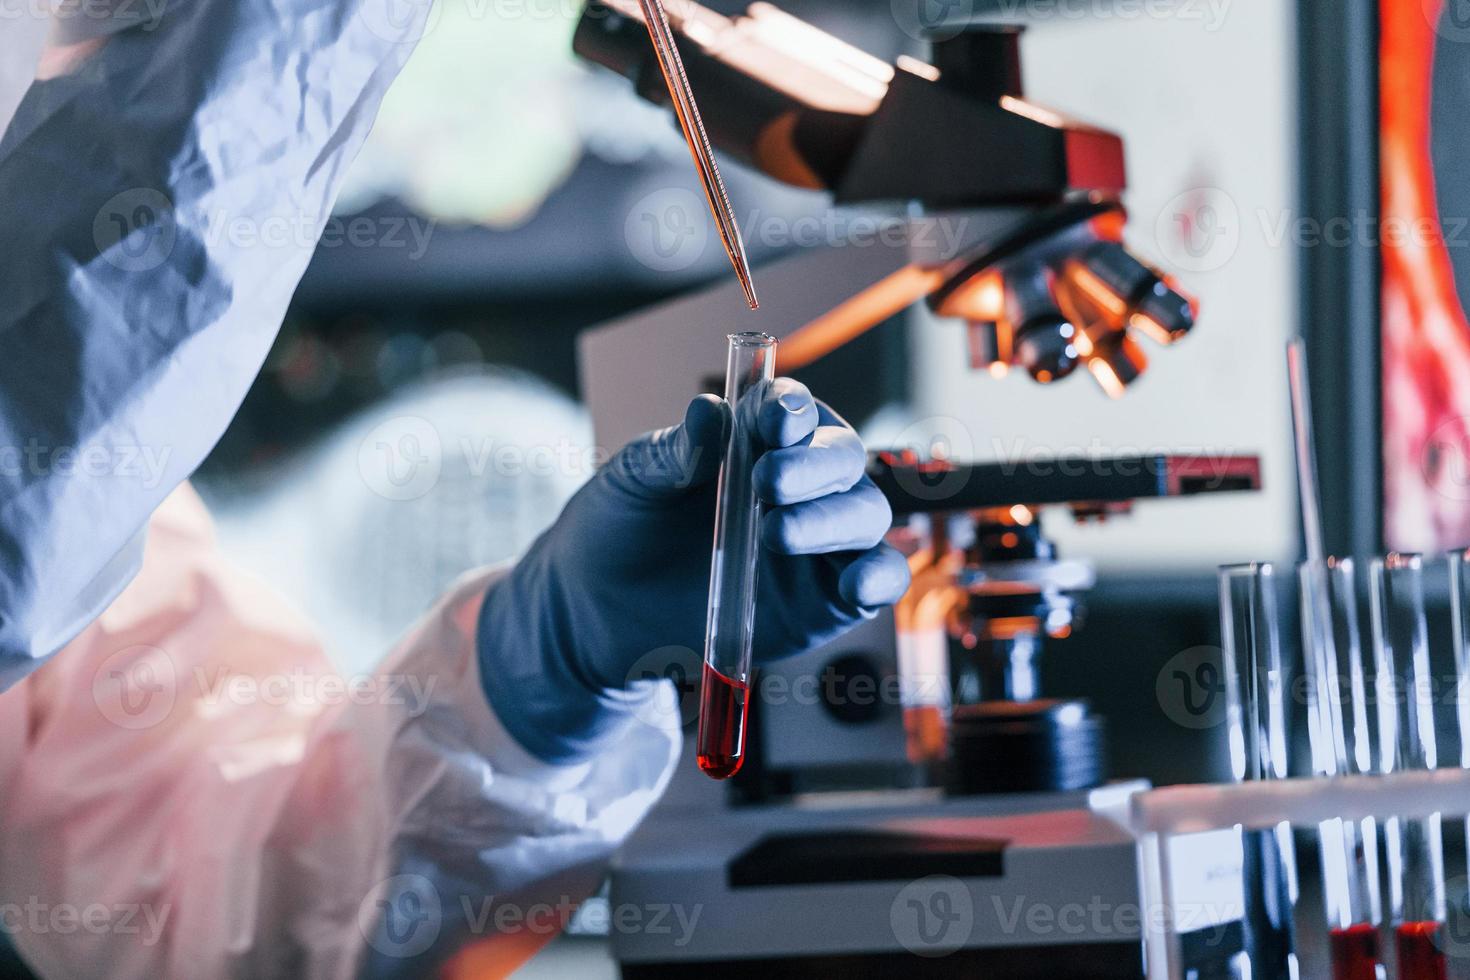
<point x="724" y="703"/>
<point x="1415" y="851"/>
<point x="1459" y="571"/>
<point x="1347" y="738"/>
<point x="1256" y="726"/>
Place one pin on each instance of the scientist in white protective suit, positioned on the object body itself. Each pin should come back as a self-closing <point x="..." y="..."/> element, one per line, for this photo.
<point x="149" y="829"/>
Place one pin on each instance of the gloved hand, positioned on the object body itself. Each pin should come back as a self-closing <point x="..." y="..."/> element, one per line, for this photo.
<point x="625" y="569"/>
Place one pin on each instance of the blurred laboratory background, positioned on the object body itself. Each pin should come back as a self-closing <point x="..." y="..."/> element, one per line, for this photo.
<point x="522" y="274"/>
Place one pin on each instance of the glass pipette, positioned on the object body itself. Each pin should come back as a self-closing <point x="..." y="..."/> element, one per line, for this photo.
<point x="666" y="50"/>
<point x="1348" y="848"/>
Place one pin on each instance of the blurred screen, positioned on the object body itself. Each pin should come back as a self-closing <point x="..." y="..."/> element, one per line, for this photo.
<point x="1425" y="81"/>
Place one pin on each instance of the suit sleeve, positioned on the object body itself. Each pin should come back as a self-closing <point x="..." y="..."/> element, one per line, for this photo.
<point x="193" y="791"/>
<point x="161" y="192"/>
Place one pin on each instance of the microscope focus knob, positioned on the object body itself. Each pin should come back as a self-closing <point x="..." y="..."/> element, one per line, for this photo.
<point x="1042" y="746"/>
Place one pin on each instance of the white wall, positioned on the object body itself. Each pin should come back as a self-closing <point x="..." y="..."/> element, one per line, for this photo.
<point x="1205" y="98"/>
<point x="21" y="35"/>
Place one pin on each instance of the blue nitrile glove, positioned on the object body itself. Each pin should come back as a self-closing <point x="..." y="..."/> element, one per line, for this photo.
<point x="625" y="569"/>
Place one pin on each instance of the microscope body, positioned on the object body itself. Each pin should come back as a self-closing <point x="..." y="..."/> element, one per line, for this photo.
<point x="926" y="735"/>
<point x="1036" y="269"/>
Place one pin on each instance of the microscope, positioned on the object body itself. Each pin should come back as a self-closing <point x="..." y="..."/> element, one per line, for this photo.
<point x="912" y="777"/>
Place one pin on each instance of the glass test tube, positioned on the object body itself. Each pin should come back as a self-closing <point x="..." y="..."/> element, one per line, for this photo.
<point x="724" y="694"/>
<point x="1415" y="852"/>
<point x="1459" y="562"/>
<point x="1349" y="849"/>
<point x="1459" y="573"/>
<point x="1256" y="719"/>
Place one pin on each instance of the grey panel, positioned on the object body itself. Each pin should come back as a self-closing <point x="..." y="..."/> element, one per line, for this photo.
<point x="639" y="372"/>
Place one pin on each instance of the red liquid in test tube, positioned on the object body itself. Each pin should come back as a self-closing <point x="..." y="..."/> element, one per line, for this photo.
<point x="1355" y="954"/>
<point x="722" y="708"/>
<point x="1421" y="953"/>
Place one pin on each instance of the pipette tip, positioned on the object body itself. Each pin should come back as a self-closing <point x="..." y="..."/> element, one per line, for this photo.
<point x="749" y="289"/>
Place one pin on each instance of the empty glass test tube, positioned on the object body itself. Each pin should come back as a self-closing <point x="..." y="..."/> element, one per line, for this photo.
<point x="1459" y="562"/>
<point x="1415" y="852"/>
<point x="725" y="690"/>
<point x="1459" y="573"/>
<point x="1346" y="738"/>
<point x="1256" y="719"/>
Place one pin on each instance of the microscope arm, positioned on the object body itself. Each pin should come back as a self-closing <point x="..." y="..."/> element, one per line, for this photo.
<point x="805" y="108"/>
<point x="1098" y="482"/>
<point x="1041" y="276"/>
